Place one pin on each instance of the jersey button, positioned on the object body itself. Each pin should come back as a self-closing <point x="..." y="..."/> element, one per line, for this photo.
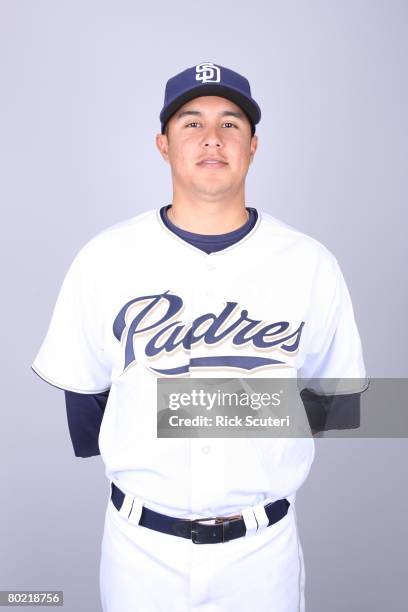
<point x="210" y="266"/>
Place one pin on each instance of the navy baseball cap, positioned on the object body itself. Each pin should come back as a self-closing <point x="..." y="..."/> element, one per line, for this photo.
<point x="208" y="79"/>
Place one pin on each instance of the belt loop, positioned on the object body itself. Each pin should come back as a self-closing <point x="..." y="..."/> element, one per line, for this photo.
<point x="126" y="506"/>
<point x="135" y="511"/>
<point x="261" y="516"/>
<point x="250" y="522"/>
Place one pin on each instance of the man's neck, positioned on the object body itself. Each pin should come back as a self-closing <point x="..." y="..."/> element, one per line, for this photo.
<point x="203" y="217"/>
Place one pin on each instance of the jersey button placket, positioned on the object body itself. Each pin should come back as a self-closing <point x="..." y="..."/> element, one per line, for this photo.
<point x="207" y="456"/>
<point x="205" y="290"/>
<point x="209" y="280"/>
<point x="207" y="473"/>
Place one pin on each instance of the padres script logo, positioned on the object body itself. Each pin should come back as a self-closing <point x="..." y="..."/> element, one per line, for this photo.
<point x="171" y="336"/>
<point x="208" y="73"/>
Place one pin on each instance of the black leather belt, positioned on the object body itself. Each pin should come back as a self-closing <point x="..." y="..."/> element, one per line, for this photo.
<point x="223" y="530"/>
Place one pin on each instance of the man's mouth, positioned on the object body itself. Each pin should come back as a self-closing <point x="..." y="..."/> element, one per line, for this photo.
<point x="212" y="163"/>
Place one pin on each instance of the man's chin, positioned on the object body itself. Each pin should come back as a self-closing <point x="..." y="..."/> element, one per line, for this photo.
<point x="213" y="191"/>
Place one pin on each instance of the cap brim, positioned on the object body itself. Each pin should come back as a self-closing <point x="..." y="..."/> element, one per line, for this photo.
<point x="248" y="105"/>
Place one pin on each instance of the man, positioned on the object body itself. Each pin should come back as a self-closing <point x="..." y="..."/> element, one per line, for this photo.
<point x="204" y="287"/>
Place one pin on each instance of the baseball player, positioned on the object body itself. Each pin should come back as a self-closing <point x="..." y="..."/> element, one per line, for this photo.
<point x="205" y="286"/>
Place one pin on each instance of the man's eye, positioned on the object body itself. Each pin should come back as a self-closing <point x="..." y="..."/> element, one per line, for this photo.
<point x="227" y="123"/>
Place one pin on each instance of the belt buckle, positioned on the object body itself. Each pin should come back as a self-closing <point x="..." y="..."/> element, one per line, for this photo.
<point x="194" y="532"/>
<point x="224" y="520"/>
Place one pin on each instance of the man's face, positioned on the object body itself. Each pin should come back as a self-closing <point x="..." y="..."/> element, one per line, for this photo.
<point x="209" y="147"/>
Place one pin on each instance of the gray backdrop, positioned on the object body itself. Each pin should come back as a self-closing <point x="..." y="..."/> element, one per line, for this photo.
<point x="82" y="85"/>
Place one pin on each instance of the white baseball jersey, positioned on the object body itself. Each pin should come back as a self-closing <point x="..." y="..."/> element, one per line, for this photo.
<point x="138" y="302"/>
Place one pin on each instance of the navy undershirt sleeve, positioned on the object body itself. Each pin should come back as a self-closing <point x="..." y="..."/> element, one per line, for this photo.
<point x="84" y="415"/>
<point x="326" y="412"/>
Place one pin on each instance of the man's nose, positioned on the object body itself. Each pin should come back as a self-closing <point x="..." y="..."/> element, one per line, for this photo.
<point x="212" y="138"/>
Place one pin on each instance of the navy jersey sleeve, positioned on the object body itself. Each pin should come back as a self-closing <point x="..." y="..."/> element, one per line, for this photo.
<point x="85" y="413"/>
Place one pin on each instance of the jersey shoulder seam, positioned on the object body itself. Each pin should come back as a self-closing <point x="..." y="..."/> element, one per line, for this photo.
<point x="285" y="227"/>
<point x="98" y="240"/>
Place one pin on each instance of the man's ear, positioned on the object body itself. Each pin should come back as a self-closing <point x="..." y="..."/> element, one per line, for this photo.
<point x="162" y="144"/>
<point x="254" y="146"/>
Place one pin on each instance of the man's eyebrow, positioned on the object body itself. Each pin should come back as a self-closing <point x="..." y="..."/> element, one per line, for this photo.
<point x="195" y="113"/>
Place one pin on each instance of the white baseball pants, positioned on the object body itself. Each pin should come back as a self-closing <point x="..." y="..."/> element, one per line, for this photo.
<point x="142" y="570"/>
